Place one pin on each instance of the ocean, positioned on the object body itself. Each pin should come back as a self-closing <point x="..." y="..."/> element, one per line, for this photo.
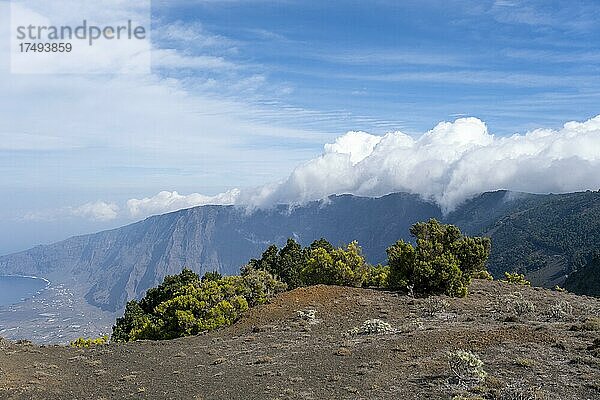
<point x="14" y="289"/>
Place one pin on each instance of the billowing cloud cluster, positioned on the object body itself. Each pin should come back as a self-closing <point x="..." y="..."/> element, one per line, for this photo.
<point x="448" y="164"/>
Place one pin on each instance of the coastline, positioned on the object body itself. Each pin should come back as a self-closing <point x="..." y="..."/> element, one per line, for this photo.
<point x="26" y="276"/>
<point x="33" y="294"/>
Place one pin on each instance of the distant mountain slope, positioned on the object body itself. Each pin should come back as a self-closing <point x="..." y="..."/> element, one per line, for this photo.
<point x="113" y="266"/>
<point x="546" y="236"/>
<point x="586" y="279"/>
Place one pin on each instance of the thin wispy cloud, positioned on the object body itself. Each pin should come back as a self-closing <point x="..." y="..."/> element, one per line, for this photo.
<point x="477" y="77"/>
<point x="95" y="211"/>
<point x="578" y="17"/>
<point x="390" y="57"/>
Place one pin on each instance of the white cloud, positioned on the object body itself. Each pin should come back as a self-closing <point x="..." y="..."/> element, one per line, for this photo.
<point x="195" y="35"/>
<point x="358" y="145"/>
<point x="96" y="211"/>
<point x="448" y="164"/>
<point x="99" y="211"/>
<point x="172" y="201"/>
<point x="169" y="58"/>
<point x="455" y="161"/>
<point x="10" y="141"/>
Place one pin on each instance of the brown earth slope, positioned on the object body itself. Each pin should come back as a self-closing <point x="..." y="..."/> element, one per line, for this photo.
<point x="534" y="343"/>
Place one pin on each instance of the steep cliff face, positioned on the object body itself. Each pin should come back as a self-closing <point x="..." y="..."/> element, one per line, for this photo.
<point x="113" y="266"/>
<point x="545" y="236"/>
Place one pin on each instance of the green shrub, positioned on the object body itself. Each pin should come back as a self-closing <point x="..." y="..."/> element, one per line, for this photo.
<point x="133" y="321"/>
<point x="91" y="342"/>
<point x="483" y="275"/>
<point x="287" y="263"/>
<point x="259" y="286"/>
<point x="516" y="278"/>
<point x="319" y="263"/>
<point x="344" y="267"/>
<point x="377" y="276"/>
<point x="212" y="276"/>
<point x="186" y="305"/>
<point x="442" y="262"/>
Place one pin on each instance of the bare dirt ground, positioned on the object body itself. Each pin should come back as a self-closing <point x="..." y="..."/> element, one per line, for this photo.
<point x="534" y="343"/>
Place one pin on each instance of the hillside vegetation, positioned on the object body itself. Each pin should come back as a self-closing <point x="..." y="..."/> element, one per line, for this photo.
<point x="586" y="279"/>
<point x="442" y="262"/>
<point x="547" y="237"/>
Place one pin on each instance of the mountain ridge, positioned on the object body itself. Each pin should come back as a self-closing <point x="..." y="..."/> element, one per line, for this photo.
<point x="137" y="256"/>
<point x="113" y="266"/>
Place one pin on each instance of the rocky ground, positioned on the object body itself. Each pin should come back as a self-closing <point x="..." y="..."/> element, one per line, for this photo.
<point x="312" y="343"/>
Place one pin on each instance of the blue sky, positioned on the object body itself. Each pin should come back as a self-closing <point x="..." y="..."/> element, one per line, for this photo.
<point x="408" y="64"/>
<point x="242" y="92"/>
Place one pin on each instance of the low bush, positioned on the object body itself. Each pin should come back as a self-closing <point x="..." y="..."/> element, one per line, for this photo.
<point x="516" y="279"/>
<point x="483" y="275"/>
<point x="435" y="305"/>
<point x="523" y="307"/>
<point x="591" y="324"/>
<point x="560" y="310"/>
<point x="466" y="366"/>
<point x="373" y="327"/>
<point x="522" y="391"/>
<point x="90" y="342"/>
